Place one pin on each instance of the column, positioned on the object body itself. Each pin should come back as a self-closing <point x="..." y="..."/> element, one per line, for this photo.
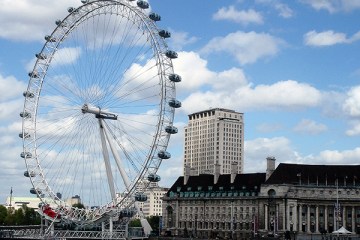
<point x="353" y="219"/>
<point x="308" y="218"/>
<point x="176" y="217"/>
<point x="300" y="218"/>
<point x="343" y="216"/>
<point x="317" y="218"/>
<point x="288" y="216"/>
<point x="266" y="217"/>
<point x="295" y="218"/>
<point x="326" y="217"/>
<point x="285" y="216"/>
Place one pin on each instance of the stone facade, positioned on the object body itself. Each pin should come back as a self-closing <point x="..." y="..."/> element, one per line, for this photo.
<point x="303" y="199"/>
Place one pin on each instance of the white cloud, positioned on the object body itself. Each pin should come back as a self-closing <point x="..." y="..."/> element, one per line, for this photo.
<point x="355" y="130"/>
<point x="10" y="88"/>
<point x="243" y="17"/>
<point x="310" y="127"/>
<point x="257" y="150"/>
<point x="193" y="71"/>
<point x="339" y="157"/>
<point x="333" y="6"/>
<point x="281" y="148"/>
<point x="180" y="39"/>
<point x="351" y="105"/>
<point x="30" y="20"/>
<point x="283" y="9"/>
<point x="326" y="38"/>
<point x="285" y="95"/>
<point x="246" y="47"/>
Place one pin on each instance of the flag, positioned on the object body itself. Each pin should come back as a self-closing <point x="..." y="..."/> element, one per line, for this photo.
<point x="11" y="191"/>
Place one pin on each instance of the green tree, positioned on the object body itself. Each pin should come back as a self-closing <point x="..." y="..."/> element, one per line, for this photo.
<point x="135" y="223"/>
<point x="30" y="216"/>
<point x="10" y="216"/>
<point x="3" y="214"/>
<point x="79" y="205"/>
<point x="154" y="223"/>
<point x="19" y="216"/>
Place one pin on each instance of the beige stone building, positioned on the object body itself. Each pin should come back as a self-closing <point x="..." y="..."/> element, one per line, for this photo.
<point x="214" y="136"/>
<point x="302" y="199"/>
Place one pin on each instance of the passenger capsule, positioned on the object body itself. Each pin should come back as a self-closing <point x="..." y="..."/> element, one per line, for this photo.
<point x="164" y="155"/>
<point x="60" y="23"/>
<point x="25" y="155"/>
<point x="84" y="1"/>
<point x="27" y="174"/>
<point x="140" y="197"/>
<point x="25" y="114"/>
<point x="28" y="94"/>
<point x="142" y="4"/>
<point x="155" y="17"/>
<point x="164" y="34"/>
<point x="127" y="213"/>
<point x="174" y="103"/>
<point x="171" y="54"/>
<point x="175" y="78"/>
<point x="171" y="129"/>
<point x="33" y="74"/>
<point x="49" y="38"/>
<point x="24" y="135"/>
<point x="40" y="56"/>
<point x="154" y="177"/>
<point x="33" y="191"/>
<point x="71" y="9"/>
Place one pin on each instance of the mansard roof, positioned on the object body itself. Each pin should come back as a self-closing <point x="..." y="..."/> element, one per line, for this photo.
<point x="243" y="182"/>
<point x="302" y="174"/>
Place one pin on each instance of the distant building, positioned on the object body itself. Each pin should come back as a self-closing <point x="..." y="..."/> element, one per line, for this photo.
<point x="153" y="205"/>
<point x="302" y="199"/>
<point x="214" y="136"/>
<point x="74" y="200"/>
<point x="31" y="202"/>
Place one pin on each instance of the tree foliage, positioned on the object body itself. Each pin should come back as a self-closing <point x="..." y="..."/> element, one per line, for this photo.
<point x="21" y="216"/>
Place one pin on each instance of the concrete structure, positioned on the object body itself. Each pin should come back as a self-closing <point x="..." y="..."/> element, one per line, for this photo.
<point x="153" y="205"/>
<point x="302" y="199"/>
<point x="214" y="136"/>
<point x="30" y="202"/>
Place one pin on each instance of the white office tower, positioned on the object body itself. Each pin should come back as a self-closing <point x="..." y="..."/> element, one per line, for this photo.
<point x="153" y="205"/>
<point x="214" y="136"/>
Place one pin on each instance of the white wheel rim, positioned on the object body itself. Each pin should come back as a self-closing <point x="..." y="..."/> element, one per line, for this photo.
<point x="122" y="70"/>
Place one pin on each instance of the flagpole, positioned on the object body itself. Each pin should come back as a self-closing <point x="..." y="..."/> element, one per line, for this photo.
<point x="11" y="192"/>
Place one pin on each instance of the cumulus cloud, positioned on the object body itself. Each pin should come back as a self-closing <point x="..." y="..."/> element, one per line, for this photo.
<point x="257" y="150"/>
<point x="246" y="47"/>
<point x="351" y="108"/>
<point x="281" y="148"/>
<point x="333" y="6"/>
<point x="243" y="17"/>
<point x="352" y="103"/>
<point x="30" y="20"/>
<point x="289" y="95"/>
<point x="310" y="127"/>
<point x="283" y="9"/>
<point x="180" y="39"/>
<point x="328" y="38"/>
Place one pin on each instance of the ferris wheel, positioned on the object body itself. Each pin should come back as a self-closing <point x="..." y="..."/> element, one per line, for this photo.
<point x="99" y="109"/>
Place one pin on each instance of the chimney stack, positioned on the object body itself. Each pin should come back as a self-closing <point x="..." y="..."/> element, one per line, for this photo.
<point x="233" y="172"/>
<point x="216" y="172"/>
<point x="186" y="174"/>
<point x="270" y="166"/>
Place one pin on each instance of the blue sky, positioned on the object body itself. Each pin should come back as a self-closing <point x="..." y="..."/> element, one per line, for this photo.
<point x="291" y="67"/>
